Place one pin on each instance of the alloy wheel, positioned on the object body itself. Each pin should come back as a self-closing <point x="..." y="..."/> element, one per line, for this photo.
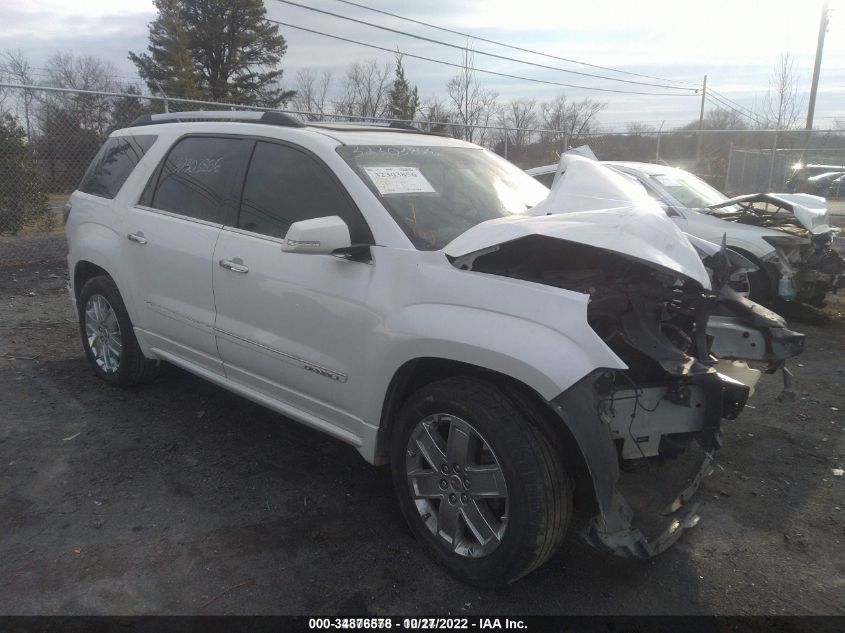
<point x="457" y="485"/>
<point x="103" y="333"/>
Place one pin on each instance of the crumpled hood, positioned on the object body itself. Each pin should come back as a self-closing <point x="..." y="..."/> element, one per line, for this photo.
<point x="586" y="184"/>
<point x="811" y="211"/>
<point x="591" y="204"/>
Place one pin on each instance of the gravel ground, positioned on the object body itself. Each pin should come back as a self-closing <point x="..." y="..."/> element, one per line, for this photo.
<point x="32" y="248"/>
<point x="180" y="498"/>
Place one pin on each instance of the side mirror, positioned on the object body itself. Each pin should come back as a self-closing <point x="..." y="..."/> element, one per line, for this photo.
<point x="320" y="236"/>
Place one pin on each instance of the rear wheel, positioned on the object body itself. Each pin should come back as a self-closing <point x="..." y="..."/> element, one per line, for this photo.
<point x="478" y="482"/>
<point x="108" y="338"/>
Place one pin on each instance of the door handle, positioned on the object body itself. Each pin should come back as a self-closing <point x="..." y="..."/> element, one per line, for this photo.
<point x="138" y="238"/>
<point x="235" y="265"/>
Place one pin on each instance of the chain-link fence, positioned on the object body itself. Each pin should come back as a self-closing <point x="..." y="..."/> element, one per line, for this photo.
<point x="781" y="170"/>
<point x="48" y="136"/>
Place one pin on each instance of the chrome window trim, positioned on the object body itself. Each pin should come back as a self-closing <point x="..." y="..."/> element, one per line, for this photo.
<point x="178" y="216"/>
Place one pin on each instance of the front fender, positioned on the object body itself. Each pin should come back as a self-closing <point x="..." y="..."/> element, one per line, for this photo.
<point x="756" y="247"/>
<point x="547" y="360"/>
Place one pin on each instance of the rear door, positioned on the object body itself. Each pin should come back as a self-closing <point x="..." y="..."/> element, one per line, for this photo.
<point x="172" y="233"/>
<point x="292" y="326"/>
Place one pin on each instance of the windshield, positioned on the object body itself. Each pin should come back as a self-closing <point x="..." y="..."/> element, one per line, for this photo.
<point x="691" y="191"/>
<point x="437" y="193"/>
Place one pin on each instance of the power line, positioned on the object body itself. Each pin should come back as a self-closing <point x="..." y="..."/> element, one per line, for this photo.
<point x="479" y="70"/>
<point x="721" y="102"/>
<point x="724" y="104"/>
<point x="516" y="48"/>
<point x="724" y="98"/>
<point x="503" y="57"/>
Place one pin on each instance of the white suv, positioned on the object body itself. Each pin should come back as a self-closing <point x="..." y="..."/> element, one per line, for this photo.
<point x="383" y="286"/>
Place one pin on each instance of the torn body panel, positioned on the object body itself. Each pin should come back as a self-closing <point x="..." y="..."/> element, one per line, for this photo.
<point x="616" y="528"/>
<point x="789" y="212"/>
<point x="670" y="401"/>
<point x="803" y="258"/>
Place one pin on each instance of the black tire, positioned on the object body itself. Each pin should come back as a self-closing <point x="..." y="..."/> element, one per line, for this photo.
<point x="133" y="367"/>
<point x="761" y="287"/>
<point x="538" y="486"/>
<point x="818" y="301"/>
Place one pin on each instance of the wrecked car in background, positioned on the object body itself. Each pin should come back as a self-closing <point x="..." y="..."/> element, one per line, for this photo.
<point x="788" y="237"/>
<point x="812" y="178"/>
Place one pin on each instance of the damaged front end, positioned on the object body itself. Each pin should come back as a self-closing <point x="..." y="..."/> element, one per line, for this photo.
<point x="807" y="267"/>
<point x="803" y="259"/>
<point x="659" y="421"/>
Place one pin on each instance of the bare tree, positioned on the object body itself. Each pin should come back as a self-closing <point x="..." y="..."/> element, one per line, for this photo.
<point x="471" y="104"/>
<point x="435" y="116"/>
<point x="88" y="111"/>
<point x="84" y="73"/>
<point x="365" y="90"/>
<point x="70" y="127"/>
<point x="639" y="129"/>
<point x="489" y="110"/>
<point x="518" y="115"/>
<point x="638" y="143"/>
<point x="569" y="119"/>
<point x="15" y="68"/>
<point x="312" y="93"/>
<point x="782" y="108"/>
<point x="724" y="119"/>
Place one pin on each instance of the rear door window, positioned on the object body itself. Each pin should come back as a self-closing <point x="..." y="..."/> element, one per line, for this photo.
<point x="113" y="164"/>
<point x="195" y="179"/>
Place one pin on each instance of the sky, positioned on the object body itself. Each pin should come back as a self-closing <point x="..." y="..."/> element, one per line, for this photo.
<point x="735" y="43"/>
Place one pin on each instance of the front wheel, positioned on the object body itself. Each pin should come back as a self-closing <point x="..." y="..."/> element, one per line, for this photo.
<point x="478" y="481"/>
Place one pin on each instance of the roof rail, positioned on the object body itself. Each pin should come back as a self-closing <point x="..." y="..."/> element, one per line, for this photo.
<point x="401" y="125"/>
<point x="268" y="118"/>
<point x="352" y="126"/>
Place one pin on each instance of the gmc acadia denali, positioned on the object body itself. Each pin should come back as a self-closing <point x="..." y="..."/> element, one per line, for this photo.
<point x="388" y="288"/>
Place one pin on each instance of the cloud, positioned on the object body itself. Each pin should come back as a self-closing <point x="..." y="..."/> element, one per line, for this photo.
<point x="735" y="43"/>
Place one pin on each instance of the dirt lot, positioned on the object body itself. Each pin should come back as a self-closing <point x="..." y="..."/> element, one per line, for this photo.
<point x="179" y="497"/>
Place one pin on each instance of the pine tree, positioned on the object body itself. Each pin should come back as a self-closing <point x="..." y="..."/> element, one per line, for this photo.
<point x="22" y="198"/>
<point x="404" y="101"/>
<point x="214" y="49"/>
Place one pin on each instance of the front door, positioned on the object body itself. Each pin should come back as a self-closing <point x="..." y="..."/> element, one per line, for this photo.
<point x="290" y="325"/>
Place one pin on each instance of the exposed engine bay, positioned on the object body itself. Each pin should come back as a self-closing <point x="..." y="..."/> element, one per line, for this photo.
<point x="685" y="347"/>
<point x="804" y="257"/>
<point x="808" y="265"/>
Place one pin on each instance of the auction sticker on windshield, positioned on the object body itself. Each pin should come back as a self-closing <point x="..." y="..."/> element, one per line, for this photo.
<point x="395" y="180"/>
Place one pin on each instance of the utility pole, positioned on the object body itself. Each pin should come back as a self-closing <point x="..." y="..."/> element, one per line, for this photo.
<point x="657" y="153"/>
<point x="701" y="122"/>
<point x="811" y="108"/>
<point x="26" y="115"/>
